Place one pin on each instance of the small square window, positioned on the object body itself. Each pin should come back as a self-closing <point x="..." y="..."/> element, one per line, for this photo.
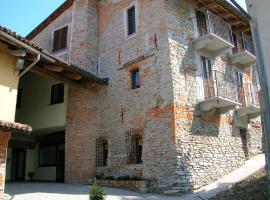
<point x="57" y="94"/>
<point x="60" y="39"/>
<point x="131" y="20"/>
<point x="19" y="99"/>
<point x="135" y="79"/>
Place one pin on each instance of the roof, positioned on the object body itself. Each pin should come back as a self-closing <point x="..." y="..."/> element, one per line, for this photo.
<point x="224" y="3"/>
<point x="50" y="19"/>
<point x="12" y="126"/>
<point x="227" y="12"/>
<point x="49" y="65"/>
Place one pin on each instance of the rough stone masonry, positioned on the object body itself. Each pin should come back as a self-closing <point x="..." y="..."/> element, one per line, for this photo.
<point x="182" y="149"/>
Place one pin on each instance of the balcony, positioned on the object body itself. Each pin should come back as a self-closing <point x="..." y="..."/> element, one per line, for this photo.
<point x="248" y="97"/>
<point x="213" y="35"/>
<point x="244" y="55"/>
<point x="219" y="92"/>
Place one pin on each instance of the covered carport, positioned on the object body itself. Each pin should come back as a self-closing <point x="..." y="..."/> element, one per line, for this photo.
<point x="33" y="59"/>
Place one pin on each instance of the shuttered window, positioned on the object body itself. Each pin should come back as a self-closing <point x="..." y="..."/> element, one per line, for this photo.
<point x="131" y="20"/>
<point x="60" y="39"/>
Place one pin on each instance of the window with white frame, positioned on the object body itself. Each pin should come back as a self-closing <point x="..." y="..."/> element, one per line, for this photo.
<point x="130" y="20"/>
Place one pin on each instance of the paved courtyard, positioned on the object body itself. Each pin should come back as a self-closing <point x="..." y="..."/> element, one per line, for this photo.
<point x="55" y="191"/>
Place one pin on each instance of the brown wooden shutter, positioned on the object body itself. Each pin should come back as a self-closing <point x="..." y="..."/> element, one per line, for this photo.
<point x="60" y="39"/>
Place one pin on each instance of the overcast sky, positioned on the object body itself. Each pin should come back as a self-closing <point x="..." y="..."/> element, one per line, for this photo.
<point x="23" y="16"/>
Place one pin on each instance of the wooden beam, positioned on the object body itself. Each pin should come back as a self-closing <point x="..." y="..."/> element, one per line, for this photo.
<point x="234" y="23"/>
<point x="17" y="53"/>
<point x="72" y="76"/>
<point x="224" y="15"/>
<point x="208" y="6"/>
<point x="53" y="68"/>
<point x="51" y="75"/>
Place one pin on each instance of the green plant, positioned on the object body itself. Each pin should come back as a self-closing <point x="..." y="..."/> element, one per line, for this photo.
<point x="124" y="178"/>
<point x="109" y="178"/>
<point x="31" y="175"/>
<point x="100" y="176"/>
<point x="97" y="193"/>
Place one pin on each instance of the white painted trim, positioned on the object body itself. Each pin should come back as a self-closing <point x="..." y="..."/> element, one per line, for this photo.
<point x="256" y="71"/>
<point x="199" y="76"/>
<point x="64" y="51"/>
<point x="135" y="4"/>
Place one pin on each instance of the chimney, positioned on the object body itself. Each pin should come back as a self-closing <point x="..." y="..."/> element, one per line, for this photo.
<point x="84" y="35"/>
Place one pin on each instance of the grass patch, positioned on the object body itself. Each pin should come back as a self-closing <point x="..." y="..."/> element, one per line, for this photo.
<point x="253" y="188"/>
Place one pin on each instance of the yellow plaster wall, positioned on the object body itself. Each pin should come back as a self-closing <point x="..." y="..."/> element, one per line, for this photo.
<point x="8" y="85"/>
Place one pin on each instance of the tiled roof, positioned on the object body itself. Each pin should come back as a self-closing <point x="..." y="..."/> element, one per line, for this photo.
<point x="22" y="39"/>
<point x="50" y="19"/>
<point x="12" y="126"/>
<point x="69" y="66"/>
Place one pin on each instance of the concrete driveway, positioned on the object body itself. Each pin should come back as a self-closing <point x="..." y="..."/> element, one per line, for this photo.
<point x="56" y="191"/>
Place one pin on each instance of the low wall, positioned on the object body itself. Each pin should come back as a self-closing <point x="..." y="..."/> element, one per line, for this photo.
<point x="139" y="185"/>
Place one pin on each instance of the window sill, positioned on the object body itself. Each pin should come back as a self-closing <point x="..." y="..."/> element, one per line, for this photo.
<point x="128" y="37"/>
<point x="53" y="104"/>
<point x="60" y="52"/>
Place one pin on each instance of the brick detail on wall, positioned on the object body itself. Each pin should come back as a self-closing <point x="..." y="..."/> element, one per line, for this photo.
<point x="81" y="130"/>
<point x="4" y="138"/>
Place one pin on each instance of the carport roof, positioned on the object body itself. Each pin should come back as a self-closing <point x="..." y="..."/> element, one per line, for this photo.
<point x="12" y="126"/>
<point x="49" y="65"/>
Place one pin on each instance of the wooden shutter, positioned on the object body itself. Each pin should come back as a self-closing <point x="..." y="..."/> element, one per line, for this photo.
<point x="60" y="39"/>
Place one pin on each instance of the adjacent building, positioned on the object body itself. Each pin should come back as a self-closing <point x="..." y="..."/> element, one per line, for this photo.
<point x="172" y="96"/>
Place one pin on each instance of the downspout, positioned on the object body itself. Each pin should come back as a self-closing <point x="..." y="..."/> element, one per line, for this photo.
<point x="30" y="66"/>
<point x="263" y="80"/>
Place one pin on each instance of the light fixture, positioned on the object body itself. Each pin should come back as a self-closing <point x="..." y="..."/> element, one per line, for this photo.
<point x="20" y="63"/>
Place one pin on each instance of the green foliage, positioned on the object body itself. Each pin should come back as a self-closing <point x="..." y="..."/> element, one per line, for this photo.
<point x="109" y="178"/>
<point x="97" y="193"/>
<point x="100" y="176"/>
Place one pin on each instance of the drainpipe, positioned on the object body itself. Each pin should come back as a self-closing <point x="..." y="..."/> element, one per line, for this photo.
<point x="264" y="85"/>
<point x="30" y="66"/>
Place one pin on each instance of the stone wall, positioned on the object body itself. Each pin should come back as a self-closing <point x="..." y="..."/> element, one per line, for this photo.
<point x="4" y="137"/>
<point x="209" y="145"/>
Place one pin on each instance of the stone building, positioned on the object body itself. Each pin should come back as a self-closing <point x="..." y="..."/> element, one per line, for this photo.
<point x="180" y="107"/>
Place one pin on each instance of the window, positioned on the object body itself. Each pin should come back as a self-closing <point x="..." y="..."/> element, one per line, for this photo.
<point x="57" y="94"/>
<point x="208" y="82"/>
<point x="60" y="39"/>
<point x="240" y="87"/>
<point x="19" y="99"/>
<point x="102" y="152"/>
<point x="131" y="20"/>
<point x="135" y="79"/>
<point x="135" y="146"/>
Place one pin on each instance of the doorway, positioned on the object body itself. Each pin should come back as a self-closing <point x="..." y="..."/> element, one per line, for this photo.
<point x="18" y="164"/>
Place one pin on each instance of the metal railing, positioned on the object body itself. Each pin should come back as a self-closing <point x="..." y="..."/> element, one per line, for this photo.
<point x="248" y="44"/>
<point x="210" y="23"/>
<point x="219" y="84"/>
<point x="248" y="95"/>
<point x="245" y="45"/>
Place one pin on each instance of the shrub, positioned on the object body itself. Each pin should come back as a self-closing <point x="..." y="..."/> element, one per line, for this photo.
<point x="97" y="193"/>
<point x="124" y="178"/>
<point x="109" y="178"/>
<point x="100" y="176"/>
